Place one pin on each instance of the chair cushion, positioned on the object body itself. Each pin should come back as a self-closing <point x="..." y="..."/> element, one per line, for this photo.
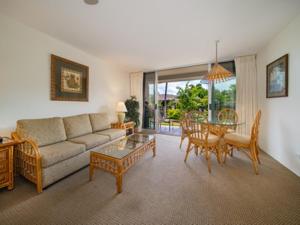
<point x="112" y="133"/>
<point x="52" y="154"/>
<point x="77" y="125"/>
<point x="211" y="139"/>
<point x="230" y="130"/>
<point x="44" y="131"/>
<point x="91" y="140"/>
<point x="234" y="137"/>
<point x="99" y="121"/>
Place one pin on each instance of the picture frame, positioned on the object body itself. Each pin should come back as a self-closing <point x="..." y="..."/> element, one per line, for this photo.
<point x="278" y="77"/>
<point x="69" y="80"/>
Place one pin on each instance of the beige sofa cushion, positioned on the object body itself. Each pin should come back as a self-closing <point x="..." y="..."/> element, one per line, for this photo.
<point x="77" y="125"/>
<point x="234" y="137"/>
<point x="112" y="133"/>
<point x="91" y="140"/>
<point x="44" y="131"/>
<point x="52" y="154"/>
<point x="54" y="173"/>
<point x="99" y="121"/>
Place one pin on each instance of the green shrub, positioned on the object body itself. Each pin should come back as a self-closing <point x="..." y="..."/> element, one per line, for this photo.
<point x="174" y="114"/>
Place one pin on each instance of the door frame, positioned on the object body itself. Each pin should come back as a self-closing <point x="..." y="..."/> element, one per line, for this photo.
<point x="155" y="110"/>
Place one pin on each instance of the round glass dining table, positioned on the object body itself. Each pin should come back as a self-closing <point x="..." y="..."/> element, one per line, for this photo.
<point x="220" y="128"/>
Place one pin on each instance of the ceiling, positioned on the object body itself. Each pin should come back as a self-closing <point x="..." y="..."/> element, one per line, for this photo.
<point x="156" y="34"/>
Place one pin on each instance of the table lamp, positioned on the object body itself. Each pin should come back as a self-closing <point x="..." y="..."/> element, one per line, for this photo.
<point x="121" y="110"/>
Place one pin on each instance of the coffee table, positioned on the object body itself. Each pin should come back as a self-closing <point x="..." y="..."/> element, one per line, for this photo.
<point x="117" y="157"/>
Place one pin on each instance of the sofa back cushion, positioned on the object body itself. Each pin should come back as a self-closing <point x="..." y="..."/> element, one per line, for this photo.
<point x="77" y="125"/>
<point x="44" y="131"/>
<point x="99" y="121"/>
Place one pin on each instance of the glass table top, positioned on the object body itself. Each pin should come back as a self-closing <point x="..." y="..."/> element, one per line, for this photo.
<point x="223" y="122"/>
<point x="125" y="146"/>
<point x="218" y="122"/>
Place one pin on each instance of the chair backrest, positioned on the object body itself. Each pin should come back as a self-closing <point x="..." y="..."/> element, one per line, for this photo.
<point x="185" y="122"/>
<point x="228" y="115"/>
<point x="255" y="128"/>
<point x="198" y="130"/>
<point x="189" y="117"/>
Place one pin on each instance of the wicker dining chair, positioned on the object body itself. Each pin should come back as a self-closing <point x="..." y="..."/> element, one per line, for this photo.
<point x="228" y="115"/>
<point x="184" y="122"/>
<point x="248" y="144"/>
<point x="201" y="138"/>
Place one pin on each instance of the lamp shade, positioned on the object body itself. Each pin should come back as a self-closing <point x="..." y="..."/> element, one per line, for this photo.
<point x="218" y="72"/>
<point x="121" y="107"/>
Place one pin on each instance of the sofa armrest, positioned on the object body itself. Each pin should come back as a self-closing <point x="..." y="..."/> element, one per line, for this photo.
<point x="28" y="160"/>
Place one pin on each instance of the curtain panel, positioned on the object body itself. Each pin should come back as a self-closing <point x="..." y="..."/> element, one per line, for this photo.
<point x="136" y="89"/>
<point x="246" y="91"/>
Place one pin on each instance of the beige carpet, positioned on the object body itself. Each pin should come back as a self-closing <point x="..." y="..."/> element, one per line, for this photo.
<point x="163" y="190"/>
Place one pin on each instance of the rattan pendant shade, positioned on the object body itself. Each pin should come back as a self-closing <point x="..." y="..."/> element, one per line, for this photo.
<point x="218" y="72"/>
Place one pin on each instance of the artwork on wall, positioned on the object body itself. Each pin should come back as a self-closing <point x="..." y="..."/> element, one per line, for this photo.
<point x="277" y="77"/>
<point x="69" y="80"/>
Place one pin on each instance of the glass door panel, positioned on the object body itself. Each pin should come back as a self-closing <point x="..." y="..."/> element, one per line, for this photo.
<point x="223" y="94"/>
<point x="149" y="100"/>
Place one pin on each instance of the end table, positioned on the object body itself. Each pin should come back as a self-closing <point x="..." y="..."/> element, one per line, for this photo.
<point x="128" y="126"/>
<point x="6" y="164"/>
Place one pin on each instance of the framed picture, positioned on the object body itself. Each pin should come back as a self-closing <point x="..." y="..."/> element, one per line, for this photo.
<point x="278" y="77"/>
<point x="69" y="80"/>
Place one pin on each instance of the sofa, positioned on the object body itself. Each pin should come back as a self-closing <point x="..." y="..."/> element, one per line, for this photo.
<point x="52" y="148"/>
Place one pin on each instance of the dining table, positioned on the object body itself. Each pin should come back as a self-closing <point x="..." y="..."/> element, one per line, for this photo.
<point x="220" y="128"/>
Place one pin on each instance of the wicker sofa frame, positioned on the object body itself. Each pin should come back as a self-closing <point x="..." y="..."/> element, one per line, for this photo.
<point x="28" y="161"/>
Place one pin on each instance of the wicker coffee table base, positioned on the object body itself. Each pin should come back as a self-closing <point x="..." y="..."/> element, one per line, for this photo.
<point x="118" y="167"/>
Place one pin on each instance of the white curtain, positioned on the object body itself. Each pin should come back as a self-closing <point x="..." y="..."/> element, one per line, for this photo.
<point x="136" y="89"/>
<point x="246" y="91"/>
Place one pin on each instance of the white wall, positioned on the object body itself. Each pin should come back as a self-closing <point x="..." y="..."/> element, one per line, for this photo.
<point x="280" y="128"/>
<point x="25" y="77"/>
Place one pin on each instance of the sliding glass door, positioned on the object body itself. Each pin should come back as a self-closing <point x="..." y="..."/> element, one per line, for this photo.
<point x="178" y="96"/>
<point x="150" y="99"/>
